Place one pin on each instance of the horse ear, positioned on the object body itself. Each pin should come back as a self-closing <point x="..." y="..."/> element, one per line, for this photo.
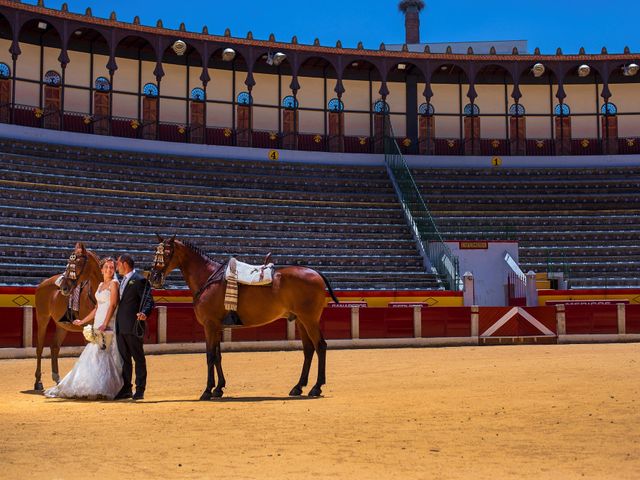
<point x="172" y="238"/>
<point x="160" y="239"/>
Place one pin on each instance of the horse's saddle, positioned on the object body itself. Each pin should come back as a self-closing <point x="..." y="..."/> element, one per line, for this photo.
<point x="239" y="272"/>
<point x="250" y="274"/>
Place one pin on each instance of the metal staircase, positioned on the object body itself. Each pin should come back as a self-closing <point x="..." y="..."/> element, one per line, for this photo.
<point x="436" y="254"/>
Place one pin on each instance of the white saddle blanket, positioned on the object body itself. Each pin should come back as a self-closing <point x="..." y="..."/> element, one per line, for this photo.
<point x="252" y="274"/>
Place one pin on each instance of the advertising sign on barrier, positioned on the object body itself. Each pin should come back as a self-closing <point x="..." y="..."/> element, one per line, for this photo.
<point x="407" y="304"/>
<point x="347" y="304"/>
<point x="613" y="301"/>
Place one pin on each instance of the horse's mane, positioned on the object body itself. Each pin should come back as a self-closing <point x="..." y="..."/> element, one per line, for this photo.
<point x="205" y="256"/>
<point x="93" y="255"/>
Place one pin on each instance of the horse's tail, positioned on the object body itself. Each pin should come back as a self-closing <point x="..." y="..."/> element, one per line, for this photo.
<point x="326" y="282"/>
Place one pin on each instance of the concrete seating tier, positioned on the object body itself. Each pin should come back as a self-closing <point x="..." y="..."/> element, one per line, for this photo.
<point x="344" y="221"/>
<point x="584" y="222"/>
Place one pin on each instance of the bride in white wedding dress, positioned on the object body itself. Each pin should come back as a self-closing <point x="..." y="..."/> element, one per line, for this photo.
<point x="97" y="374"/>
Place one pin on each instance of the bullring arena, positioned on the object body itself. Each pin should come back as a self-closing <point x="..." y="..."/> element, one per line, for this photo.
<point x="561" y="411"/>
<point x="455" y="226"/>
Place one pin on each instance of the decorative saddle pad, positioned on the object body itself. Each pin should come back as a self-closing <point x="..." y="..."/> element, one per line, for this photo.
<point x="250" y="274"/>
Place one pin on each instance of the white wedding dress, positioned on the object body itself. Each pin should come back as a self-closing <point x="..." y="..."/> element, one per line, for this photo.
<point x="97" y="374"/>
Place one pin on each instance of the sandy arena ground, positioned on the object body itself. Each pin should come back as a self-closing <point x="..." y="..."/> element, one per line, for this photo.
<point x="544" y="412"/>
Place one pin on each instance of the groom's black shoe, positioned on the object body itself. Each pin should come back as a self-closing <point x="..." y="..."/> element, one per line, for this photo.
<point x="139" y="395"/>
<point x="122" y="395"/>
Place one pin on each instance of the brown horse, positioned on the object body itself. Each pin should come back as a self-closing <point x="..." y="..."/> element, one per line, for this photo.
<point x="52" y="302"/>
<point x="296" y="293"/>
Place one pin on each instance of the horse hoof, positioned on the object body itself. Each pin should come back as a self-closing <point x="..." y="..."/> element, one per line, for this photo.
<point x="205" y="396"/>
<point x="56" y="378"/>
<point x="295" y="391"/>
<point x="217" y="393"/>
<point x="315" y="392"/>
<point x="38" y="387"/>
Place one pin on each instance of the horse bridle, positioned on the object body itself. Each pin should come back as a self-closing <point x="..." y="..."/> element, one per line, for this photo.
<point x="159" y="261"/>
<point x="71" y="271"/>
<point x="162" y="258"/>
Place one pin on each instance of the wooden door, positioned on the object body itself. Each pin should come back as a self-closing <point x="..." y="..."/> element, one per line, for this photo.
<point x="101" y="113"/>
<point x="5" y="100"/>
<point x="52" y="101"/>
<point x="336" y="131"/>
<point x="610" y="134"/>
<point x="244" y="125"/>
<point x="472" y="135"/>
<point x="563" y="135"/>
<point x="290" y="129"/>
<point x="427" y="134"/>
<point x="197" y="122"/>
<point x="149" y="118"/>
<point x="518" y="135"/>
<point x="381" y="130"/>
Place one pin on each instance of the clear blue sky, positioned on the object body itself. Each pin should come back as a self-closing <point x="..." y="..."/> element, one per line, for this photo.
<point x="547" y="24"/>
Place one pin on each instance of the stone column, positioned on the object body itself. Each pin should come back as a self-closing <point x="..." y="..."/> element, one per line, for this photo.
<point x="475" y="321"/>
<point x="622" y="319"/>
<point x="417" y="321"/>
<point x="532" y="290"/>
<point x="561" y="320"/>
<point x="468" y="289"/>
<point x="27" y="327"/>
<point x="162" y="324"/>
<point x="355" y="323"/>
<point x="291" y="330"/>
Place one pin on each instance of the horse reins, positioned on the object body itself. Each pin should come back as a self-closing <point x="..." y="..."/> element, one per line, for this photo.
<point x="215" y="277"/>
<point x="137" y="326"/>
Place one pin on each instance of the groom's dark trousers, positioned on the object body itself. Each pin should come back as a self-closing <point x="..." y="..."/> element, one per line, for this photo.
<point x="130" y="338"/>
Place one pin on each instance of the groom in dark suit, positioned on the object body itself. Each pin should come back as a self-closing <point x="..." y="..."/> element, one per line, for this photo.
<point x="136" y="303"/>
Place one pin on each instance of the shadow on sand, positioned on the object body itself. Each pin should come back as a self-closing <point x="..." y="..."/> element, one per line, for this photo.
<point x="239" y="400"/>
<point x="188" y="400"/>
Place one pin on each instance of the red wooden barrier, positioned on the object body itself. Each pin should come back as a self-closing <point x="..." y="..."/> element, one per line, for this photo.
<point x="386" y="322"/>
<point x="182" y="326"/>
<point x="77" y="338"/>
<point x="591" y="319"/>
<point x="11" y="327"/>
<point x="632" y="313"/>
<point x="73" y="339"/>
<point x="272" y="331"/>
<point x="446" y="322"/>
<point x="335" y="324"/>
<point x="516" y="321"/>
<point x="152" y="327"/>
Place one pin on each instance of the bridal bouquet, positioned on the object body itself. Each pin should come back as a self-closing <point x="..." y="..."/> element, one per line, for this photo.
<point x="93" y="335"/>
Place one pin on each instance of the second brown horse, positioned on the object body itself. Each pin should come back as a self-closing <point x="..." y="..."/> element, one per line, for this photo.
<point x="296" y="293"/>
<point x="52" y="303"/>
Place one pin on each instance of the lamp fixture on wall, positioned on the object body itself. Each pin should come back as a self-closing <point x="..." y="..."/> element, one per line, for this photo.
<point x="584" y="70"/>
<point x="275" y="59"/>
<point x="228" y="54"/>
<point x="630" y="70"/>
<point x="538" y="70"/>
<point x="179" y="47"/>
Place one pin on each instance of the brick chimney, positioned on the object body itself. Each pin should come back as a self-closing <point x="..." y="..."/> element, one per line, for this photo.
<point x="411" y="10"/>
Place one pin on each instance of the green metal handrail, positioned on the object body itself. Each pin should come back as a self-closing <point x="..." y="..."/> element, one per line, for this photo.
<point x="439" y="254"/>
